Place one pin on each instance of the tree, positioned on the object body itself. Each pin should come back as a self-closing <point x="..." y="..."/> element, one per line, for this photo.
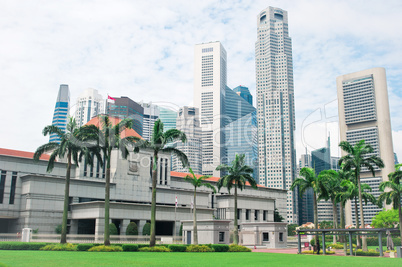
<point x="277" y="216"/>
<point x="357" y="158"/>
<point x="132" y="229"/>
<point x="159" y="144"/>
<point x="238" y="177"/>
<point x="292" y="229"/>
<point x="310" y="180"/>
<point x="70" y="146"/>
<point x="112" y="229"/>
<point x="108" y="137"/>
<point x="386" y="219"/>
<point x="394" y="194"/>
<point x="146" y="230"/>
<point x="197" y="182"/>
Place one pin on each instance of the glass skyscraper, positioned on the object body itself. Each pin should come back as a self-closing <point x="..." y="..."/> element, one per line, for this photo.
<point x="244" y="93"/>
<point x="61" y="111"/>
<point x="275" y="104"/>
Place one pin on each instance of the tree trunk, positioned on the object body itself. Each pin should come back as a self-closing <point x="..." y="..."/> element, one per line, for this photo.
<point x="335" y="218"/>
<point x="316" y="218"/>
<point x="195" y="234"/>
<point x="152" y="240"/>
<point x="364" y="240"/>
<point x="107" y="200"/>
<point x="63" y="238"/>
<point x="236" y="227"/>
<point x="400" y="219"/>
<point x="342" y="226"/>
<point x="357" y="224"/>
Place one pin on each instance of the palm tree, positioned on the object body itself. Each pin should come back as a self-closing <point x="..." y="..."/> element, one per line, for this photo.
<point x="108" y="137"/>
<point x="357" y="158"/>
<point x="197" y="182"/>
<point x="310" y="180"/>
<point x="394" y="195"/>
<point x="69" y="146"/>
<point x="239" y="176"/>
<point x="159" y="143"/>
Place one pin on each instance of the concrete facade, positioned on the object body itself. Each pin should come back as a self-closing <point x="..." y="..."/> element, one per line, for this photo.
<point x="209" y="232"/>
<point x="267" y="234"/>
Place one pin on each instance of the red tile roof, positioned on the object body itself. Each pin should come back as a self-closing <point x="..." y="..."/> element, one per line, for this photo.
<point x="211" y="179"/>
<point x="114" y="121"/>
<point x="21" y="154"/>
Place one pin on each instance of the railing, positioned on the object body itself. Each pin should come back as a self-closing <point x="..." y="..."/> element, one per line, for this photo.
<point x="116" y="239"/>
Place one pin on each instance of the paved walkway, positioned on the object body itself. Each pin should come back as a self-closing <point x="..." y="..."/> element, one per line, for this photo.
<point x="338" y="252"/>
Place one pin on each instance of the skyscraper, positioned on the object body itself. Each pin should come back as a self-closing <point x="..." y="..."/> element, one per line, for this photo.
<point x="168" y="116"/>
<point x="151" y="114"/>
<point x="124" y="107"/>
<point x="209" y="90"/>
<point x="305" y="201"/>
<point x="61" y="111"/>
<point x="364" y="115"/>
<point x="244" y="93"/>
<point x="89" y="104"/>
<point x="275" y="104"/>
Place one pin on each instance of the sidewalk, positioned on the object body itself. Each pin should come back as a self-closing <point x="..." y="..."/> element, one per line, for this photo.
<point x="338" y="252"/>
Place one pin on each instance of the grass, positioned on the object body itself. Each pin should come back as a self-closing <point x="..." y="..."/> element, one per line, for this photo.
<point x="69" y="258"/>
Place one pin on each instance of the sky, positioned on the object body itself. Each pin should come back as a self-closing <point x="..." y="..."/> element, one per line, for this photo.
<point x="145" y="50"/>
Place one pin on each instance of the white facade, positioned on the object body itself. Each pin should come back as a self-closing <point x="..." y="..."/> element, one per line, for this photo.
<point x="275" y="104"/>
<point x="151" y="114"/>
<point x="209" y="90"/>
<point x="364" y="114"/>
<point x="89" y="104"/>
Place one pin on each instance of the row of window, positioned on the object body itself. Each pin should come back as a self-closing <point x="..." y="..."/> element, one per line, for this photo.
<point x="3" y="177"/>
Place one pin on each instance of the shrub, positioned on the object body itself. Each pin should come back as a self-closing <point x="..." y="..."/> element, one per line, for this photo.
<point x="58" y="229"/>
<point x="199" y="248"/>
<point x="130" y="247"/>
<point x="112" y="229"/>
<point x="84" y="247"/>
<point x="177" y="248"/>
<point x="21" y="245"/>
<point x="312" y="252"/>
<point x="146" y="230"/>
<point x="370" y="252"/>
<point x="238" y="248"/>
<point x="154" y="249"/>
<point x="60" y="247"/>
<point x="181" y="230"/>
<point x="132" y="229"/>
<point x="104" y="248"/>
<point x="220" y="247"/>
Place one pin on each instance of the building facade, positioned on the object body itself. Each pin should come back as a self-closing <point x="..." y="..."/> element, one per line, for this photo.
<point x="89" y="104"/>
<point x="151" y="114"/>
<point x="364" y="115"/>
<point x="61" y="111"/>
<point x="168" y="116"/>
<point x="124" y="107"/>
<point x="305" y="201"/>
<point x="244" y="93"/>
<point x="275" y="104"/>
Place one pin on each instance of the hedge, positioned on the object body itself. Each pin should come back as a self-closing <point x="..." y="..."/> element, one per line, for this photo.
<point x="130" y="247"/>
<point x="154" y="249"/>
<point x="85" y="246"/>
<point x="370" y="252"/>
<point x="60" y="247"/>
<point x="22" y="245"/>
<point x="199" y="248"/>
<point x="313" y="252"/>
<point x="220" y="247"/>
<point x="146" y="230"/>
<point x="132" y="229"/>
<point x="103" y="248"/>
<point x="177" y="248"/>
<point x="238" y="248"/>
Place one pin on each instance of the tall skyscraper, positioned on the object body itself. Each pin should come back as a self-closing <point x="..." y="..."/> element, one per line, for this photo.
<point x="209" y="90"/>
<point x="275" y="104"/>
<point x="89" y="104"/>
<point x="188" y="122"/>
<point x="305" y="201"/>
<point x="151" y="114"/>
<point x="364" y="115"/>
<point x="244" y="93"/>
<point x="168" y="117"/>
<point x="124" y="107"/>
<point x="61" y="111"/>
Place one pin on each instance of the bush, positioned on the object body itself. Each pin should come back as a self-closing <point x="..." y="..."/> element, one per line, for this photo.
<point x="21" y="245"/>
<point x="132" y="229"/>
<point x="84" y="247"/>
<point x="199" y="248"/>
<point x="58" y="229"/>
<point x="370" y="252"/>
<point x="112" y="229"/>
<point x="60" y="247"/>
<point x="181" y="230"/>
<point x="238" y="248"/>
<point x="154" y="249"/>
<point x="147" y="229"/>
<point x="130" y="247"/>
<point x="292" y="229"/>
<point x="312" y="252"/>
<point x="177" y="248"/>
<point x="104" y="248"/>
<point x="220" y="247"/>
<point x="340" y="246"/>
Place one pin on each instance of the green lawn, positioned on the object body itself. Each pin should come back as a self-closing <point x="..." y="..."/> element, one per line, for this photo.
<point x="67" y="258"/>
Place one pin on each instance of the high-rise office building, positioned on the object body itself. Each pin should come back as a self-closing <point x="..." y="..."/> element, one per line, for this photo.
<point x="305" y="201"/>
<point x="209" y="90"/>
<point x="168" y="116"/>
<point x="61" y="111"/>
<point x="89" y="104"/>
<point x="275" y="104"/>
<point x="364" y="115"/>
<point x="244" y="93"/>
<point x="151" y="114"/>
<point x="124" y="107"/>
<point x="189" y="123"/>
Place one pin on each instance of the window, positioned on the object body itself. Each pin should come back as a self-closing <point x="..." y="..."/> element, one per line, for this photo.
<point x="256" y="215"/>
<point x="265" y="237"/>
<point x="221" y="236"/>
<point x="12" y="190"/>
<point x="264" y="215"/>
<point x="238" y="214"/>
<point x="280" y="237"/>
<point x="248" y="214"/>
<point x="2" y="185"/>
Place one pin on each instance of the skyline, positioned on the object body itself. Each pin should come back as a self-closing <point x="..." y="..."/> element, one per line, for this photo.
<point x="116" y="48"/>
